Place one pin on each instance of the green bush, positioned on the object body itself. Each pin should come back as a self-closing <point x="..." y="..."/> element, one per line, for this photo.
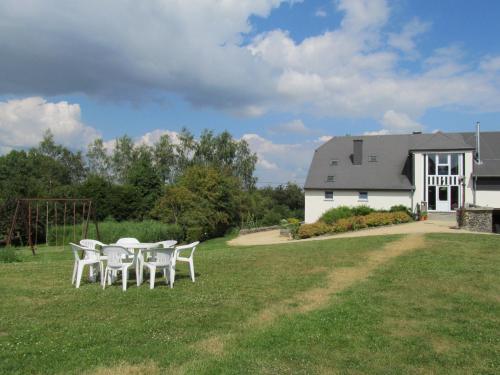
<point x="400" y="208"/>
<point x="110" y="231"/>
<point x="9" y="255"/>
<point x="362" y="210"/>
<point x="334" y="214"/>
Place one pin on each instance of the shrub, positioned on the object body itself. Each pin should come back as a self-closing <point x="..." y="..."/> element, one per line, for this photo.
<point x="334" y="214"/>
<point x="312" y="230"/>
<point x="400" y="208"/>
<point x="375" y="219"/>
<point x="9" y="255"/>
<point x="362" y="210"/>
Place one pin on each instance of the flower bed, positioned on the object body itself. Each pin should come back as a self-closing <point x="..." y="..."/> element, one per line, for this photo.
<point x="374" y="219"/>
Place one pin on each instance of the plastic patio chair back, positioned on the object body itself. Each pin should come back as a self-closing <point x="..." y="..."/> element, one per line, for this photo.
<point x="91" y="243"/>
<point x="75" y="249"/>
<point x="115" y="255"/>
<point x="88" y="254"/>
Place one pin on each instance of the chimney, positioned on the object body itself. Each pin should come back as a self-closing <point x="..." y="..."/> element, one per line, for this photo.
<point x="357" y="154"/>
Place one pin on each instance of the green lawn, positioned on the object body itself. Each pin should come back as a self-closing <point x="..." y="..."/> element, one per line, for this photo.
<point x="433" y="310"/>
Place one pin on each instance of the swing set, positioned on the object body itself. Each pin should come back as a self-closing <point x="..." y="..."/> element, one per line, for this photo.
<point x="38" y="214"/>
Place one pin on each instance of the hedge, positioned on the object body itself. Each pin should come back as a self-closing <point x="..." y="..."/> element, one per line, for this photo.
<point x="375" y="219"/>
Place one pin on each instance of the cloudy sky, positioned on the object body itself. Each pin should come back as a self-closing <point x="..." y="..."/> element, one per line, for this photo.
<point x="284" y="75"/>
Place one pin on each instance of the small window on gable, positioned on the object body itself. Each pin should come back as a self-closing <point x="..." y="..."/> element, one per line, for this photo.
<point x="334" y="162"/>
<point x="363" y="196"/>
<point x="329" y="195"/>
<point x="372" y="158"/>
<point x="330" y="178"/>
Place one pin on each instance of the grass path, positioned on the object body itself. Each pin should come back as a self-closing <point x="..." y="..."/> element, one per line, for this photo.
<point x="337" y="280"/>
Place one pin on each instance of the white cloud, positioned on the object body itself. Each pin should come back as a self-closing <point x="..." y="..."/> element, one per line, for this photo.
<point x="491" y="64"/>
<point x="281" y="162"/>
<point x="324" y="138"/>
<point x="320" y="13"/>
<point x="295" y="126"/>
<point x="399" y="122"/>
<point x="404" y="40"/>
<point x="152" y="137"/>
<point x="377" y="132"/>
<point x="125" y="49"/>
<point x="23" y="122"/>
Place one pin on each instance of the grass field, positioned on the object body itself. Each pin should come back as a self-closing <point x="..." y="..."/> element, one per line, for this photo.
<point x="333" y="306"/>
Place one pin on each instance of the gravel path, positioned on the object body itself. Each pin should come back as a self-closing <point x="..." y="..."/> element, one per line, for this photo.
<point x="417" y="227"/>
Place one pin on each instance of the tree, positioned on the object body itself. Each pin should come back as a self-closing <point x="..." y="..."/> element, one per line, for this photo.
<point x="205" y="202"/>
<point x="99" y="162"/>
<point x="144" y="177"/>
<point x="122" y="158"/>
<point x="164" y="158"/>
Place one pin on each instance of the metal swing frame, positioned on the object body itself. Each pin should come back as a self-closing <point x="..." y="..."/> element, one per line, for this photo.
<point x="88" y="209"/>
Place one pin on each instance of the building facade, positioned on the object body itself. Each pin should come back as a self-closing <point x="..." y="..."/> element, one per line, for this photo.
<point x="444" y="170"/>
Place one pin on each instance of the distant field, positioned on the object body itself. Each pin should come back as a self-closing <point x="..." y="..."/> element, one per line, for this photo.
<point x="374" y="305"/>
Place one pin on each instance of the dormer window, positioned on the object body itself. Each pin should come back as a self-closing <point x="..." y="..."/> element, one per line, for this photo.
<point x="372" y="158"/>
<point x="330" y="179"/>
<point x="334" y="162"/>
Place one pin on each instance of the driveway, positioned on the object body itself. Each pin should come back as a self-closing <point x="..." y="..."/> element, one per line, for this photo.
<point x="438" y="225"/>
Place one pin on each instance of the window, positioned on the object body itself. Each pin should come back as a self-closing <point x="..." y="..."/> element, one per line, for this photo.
<point x="443" y="164"/>
<point x="372" y="158"/>
<point x="329" y="195"/>
<point x="454" y="164"/>
<point x="363" y="196"/>
<point x="431" y="168"/>
<point x="334" y="162"/>
<point x="442" y="170"/>
<point x="330" y="179"/>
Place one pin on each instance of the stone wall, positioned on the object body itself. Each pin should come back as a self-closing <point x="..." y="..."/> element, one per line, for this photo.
<point x="477" y="219"/>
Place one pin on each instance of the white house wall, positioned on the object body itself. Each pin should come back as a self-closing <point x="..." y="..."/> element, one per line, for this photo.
<point x="469" y="183"/>
<point x="488" y="198"/>
<point x="316" y="204"/>
<point x="418" y="172"/>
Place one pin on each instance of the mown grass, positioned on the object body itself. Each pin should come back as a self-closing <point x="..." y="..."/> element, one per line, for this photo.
<point x="435" y="310"/>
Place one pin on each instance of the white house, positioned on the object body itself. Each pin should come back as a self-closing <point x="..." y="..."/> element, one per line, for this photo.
<point x="445" y="170"/>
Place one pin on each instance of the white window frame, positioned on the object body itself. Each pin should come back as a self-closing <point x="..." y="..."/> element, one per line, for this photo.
<point x="362" y="199"/>
<point x="328" y="199"/>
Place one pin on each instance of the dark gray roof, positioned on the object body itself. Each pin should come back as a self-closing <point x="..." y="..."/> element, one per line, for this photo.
<point x="392" y="170"/>
<point x="439" y="141"/>
<point x="490" y="153"/>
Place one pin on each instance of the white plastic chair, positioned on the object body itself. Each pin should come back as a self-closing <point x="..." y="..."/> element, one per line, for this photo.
<point x="167" y="244"/>
<point x="161" y="259"/>
<point x="116" y="256"/>
<point x="129" y="242"/>
<point x="96" y="245"/>
<point x="91" y="258"/>
<point x="92" y="244"/>
<point x="178" y="258"/>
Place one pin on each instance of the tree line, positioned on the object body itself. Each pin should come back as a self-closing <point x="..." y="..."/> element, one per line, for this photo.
<point x="205" y="186"/>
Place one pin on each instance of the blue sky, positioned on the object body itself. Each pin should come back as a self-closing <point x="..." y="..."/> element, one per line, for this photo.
<point x="284" y="75"/>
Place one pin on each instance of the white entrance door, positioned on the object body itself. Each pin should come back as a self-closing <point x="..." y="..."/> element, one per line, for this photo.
<point x="443" y="199"/>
